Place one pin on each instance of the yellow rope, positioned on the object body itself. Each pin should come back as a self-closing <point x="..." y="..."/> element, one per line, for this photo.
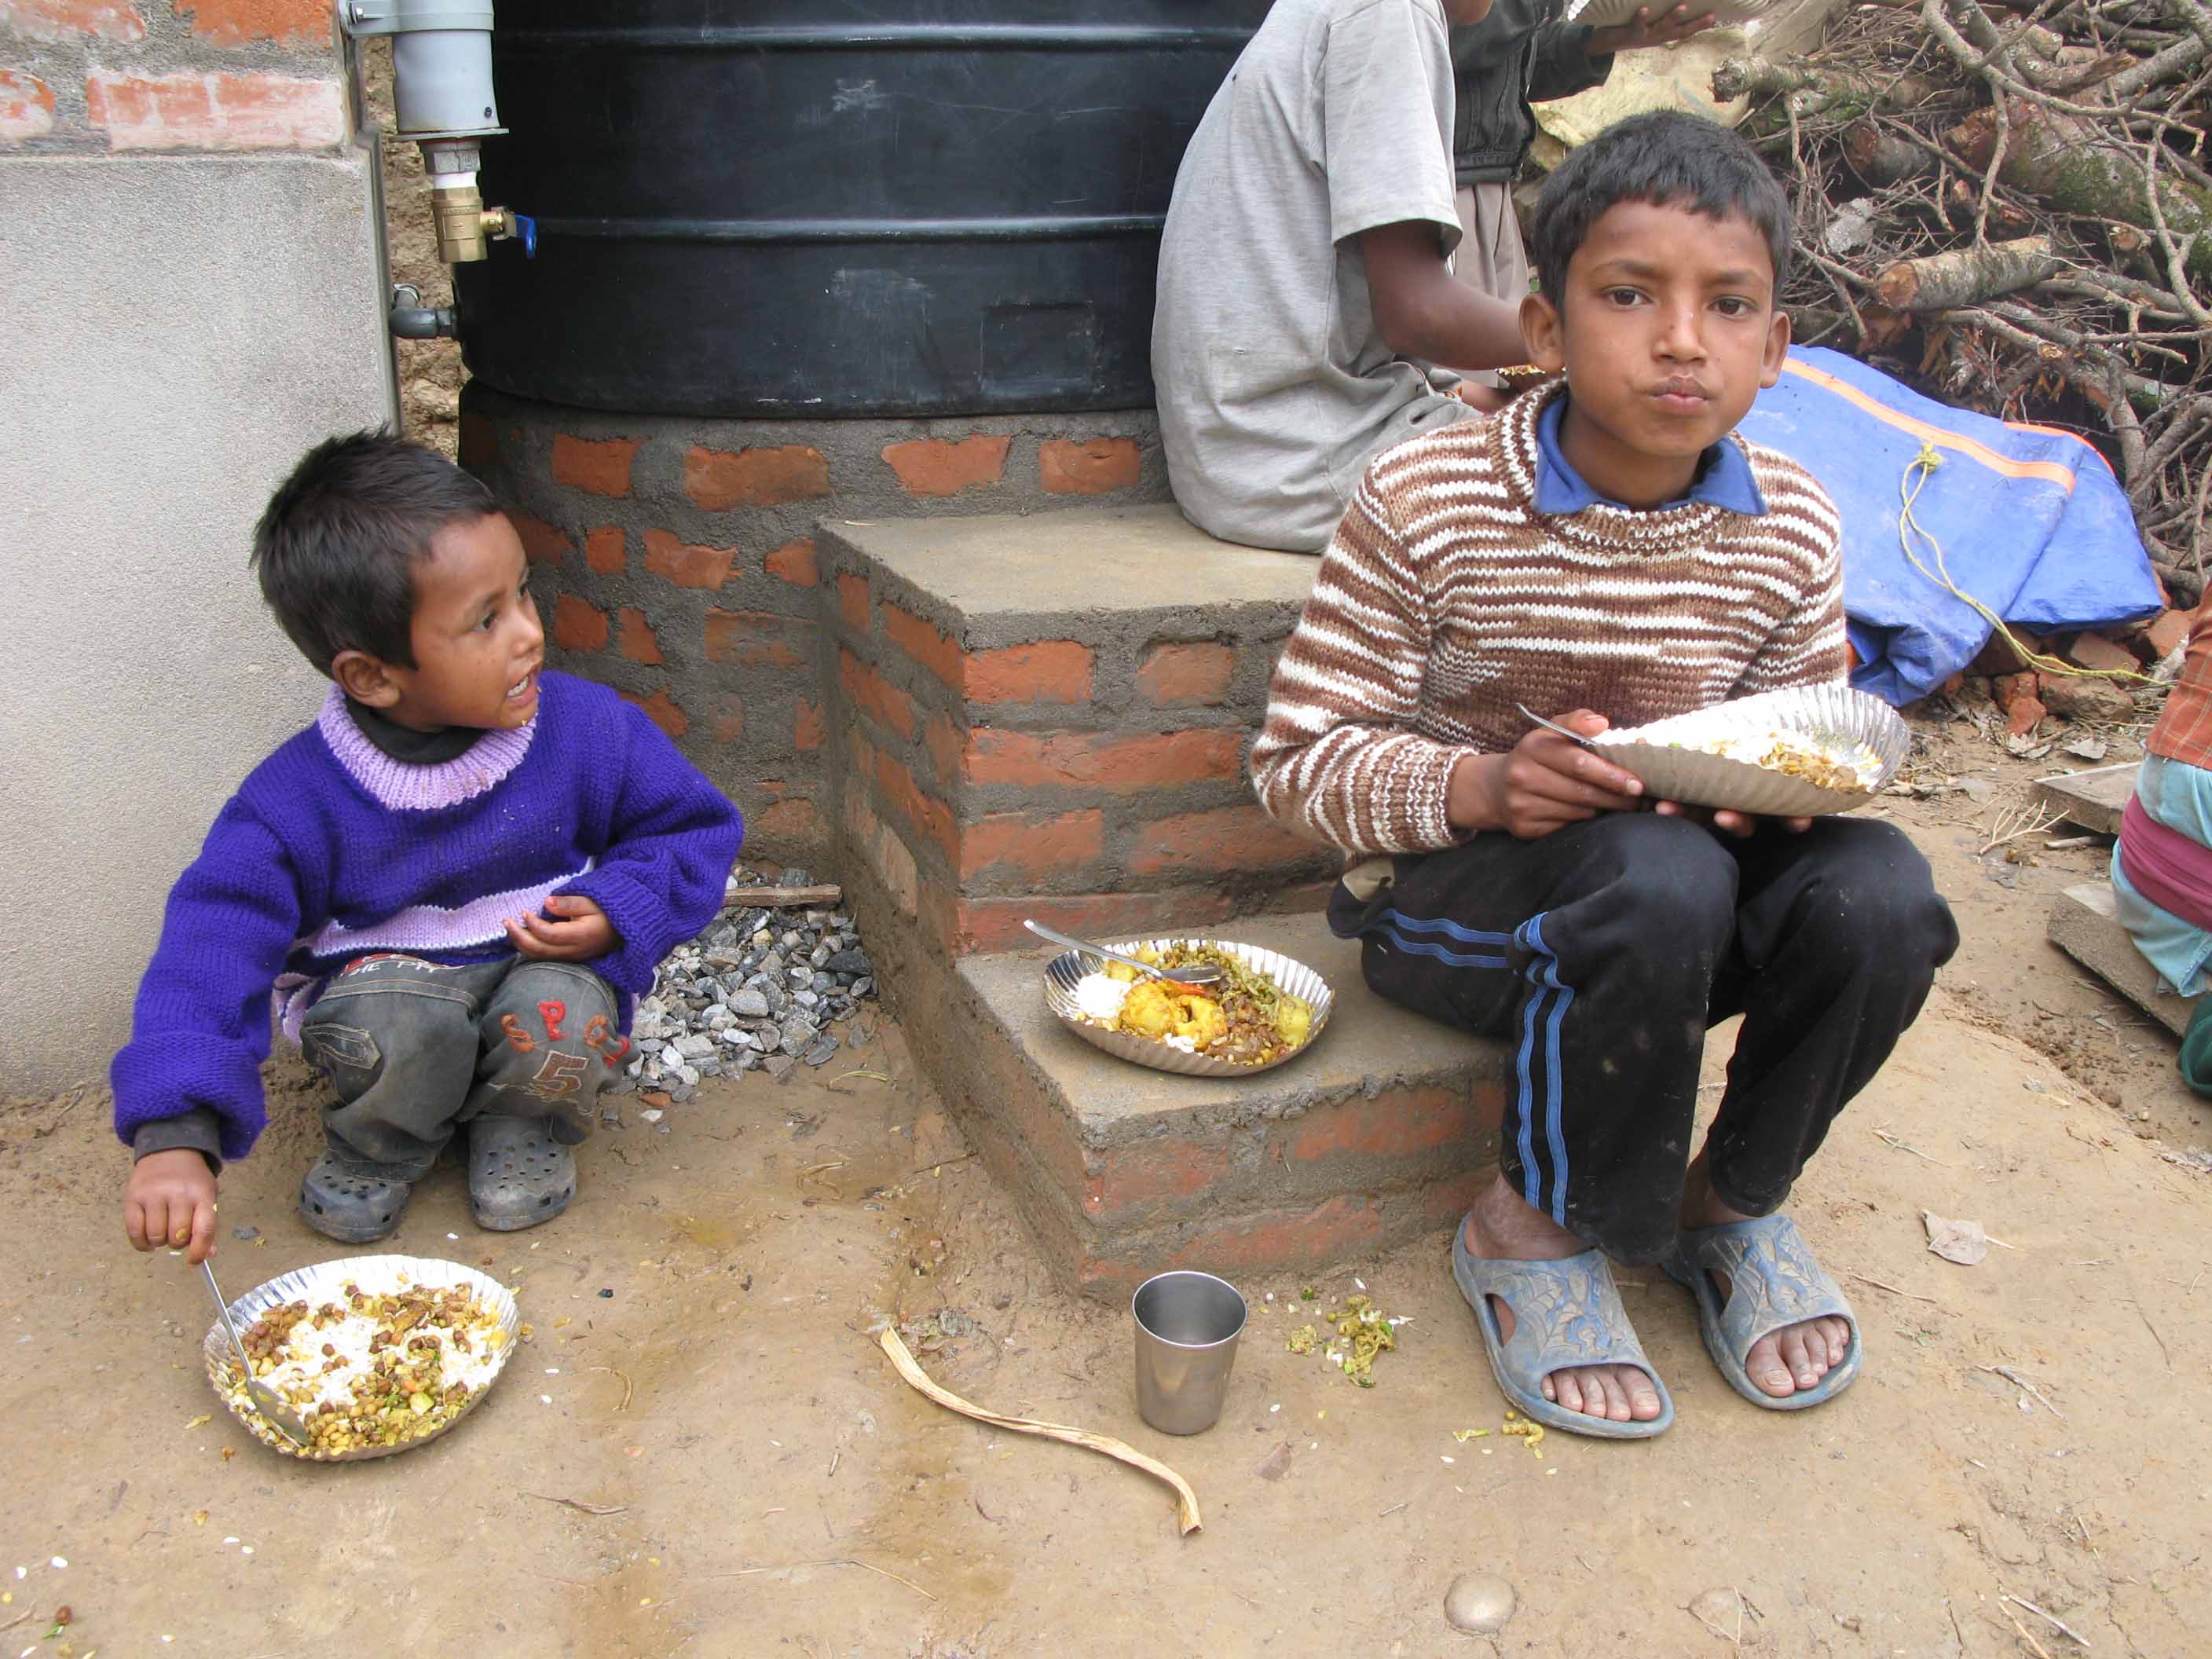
<point x="1916" y="474"/>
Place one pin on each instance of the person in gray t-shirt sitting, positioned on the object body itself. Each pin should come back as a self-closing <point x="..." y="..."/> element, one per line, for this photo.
<point x="1306" y="287"/>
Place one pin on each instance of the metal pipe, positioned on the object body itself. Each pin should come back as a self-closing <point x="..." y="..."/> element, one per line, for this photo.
<point x="442" y="95"/>
<point x="411" y="319"/>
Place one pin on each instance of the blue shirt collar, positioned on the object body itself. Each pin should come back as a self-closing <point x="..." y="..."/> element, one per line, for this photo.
<point x="1724" y="477"/>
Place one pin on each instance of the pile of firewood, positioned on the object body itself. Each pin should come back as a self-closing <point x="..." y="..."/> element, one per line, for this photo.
<point x="2010" y="206"/>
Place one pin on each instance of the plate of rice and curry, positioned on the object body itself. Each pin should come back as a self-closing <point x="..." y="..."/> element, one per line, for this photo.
<point x="378" y="1353"/>
<point x="1799" y="753"/>
<point x="1265" y="1008"/>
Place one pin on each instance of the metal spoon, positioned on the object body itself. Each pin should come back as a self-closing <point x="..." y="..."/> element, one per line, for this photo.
<point x="1551" y="726"/>
<point x="265" y="1400"/>
<point x="1191" y="975"/>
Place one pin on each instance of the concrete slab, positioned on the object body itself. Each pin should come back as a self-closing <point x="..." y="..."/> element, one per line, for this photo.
<point x="2083" y="925"/>
<point x="991" y="579"/>
<point x="179" y="329"/>
<point x="1381" y="1132"/>
<point x="2095" y="799"/>
<point x="1114" y="1101"/>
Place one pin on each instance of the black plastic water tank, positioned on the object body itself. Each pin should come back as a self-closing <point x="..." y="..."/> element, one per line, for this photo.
<point x="793" y="208"/>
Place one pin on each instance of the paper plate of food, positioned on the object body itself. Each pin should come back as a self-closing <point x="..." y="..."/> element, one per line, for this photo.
<point x="1800" y="753"/>
<point x="1265" y="1008"/>
<point x="378" y="1353"/>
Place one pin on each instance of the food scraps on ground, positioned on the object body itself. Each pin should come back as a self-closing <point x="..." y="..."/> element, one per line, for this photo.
<point x="1522" y="1428"/>
<point x="1362" y="1324"/>
<point x="383" y="1369"/>
<point x="1361" y="1331"/>
<point x="1244" y="1017"/>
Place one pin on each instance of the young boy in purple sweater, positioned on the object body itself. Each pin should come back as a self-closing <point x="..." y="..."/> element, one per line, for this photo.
<point x="456" y="883"/>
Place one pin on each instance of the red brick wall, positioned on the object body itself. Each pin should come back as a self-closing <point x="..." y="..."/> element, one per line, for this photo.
<point x="169" y="75"/>
<point x="677" y="560"/>
<point x="1094" y="780"/>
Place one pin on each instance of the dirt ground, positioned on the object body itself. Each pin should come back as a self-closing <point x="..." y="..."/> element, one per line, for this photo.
<point x="700" y="1373"/>
<point x="754" y="1478"/>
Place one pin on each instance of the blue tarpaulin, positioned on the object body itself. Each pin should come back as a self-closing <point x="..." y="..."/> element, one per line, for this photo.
<point x="2032" y="521"/>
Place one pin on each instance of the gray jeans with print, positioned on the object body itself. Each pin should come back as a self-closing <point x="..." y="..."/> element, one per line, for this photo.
<point x="415" y="1048"/>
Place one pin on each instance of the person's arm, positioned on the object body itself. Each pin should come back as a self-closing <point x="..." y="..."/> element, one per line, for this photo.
<point x="1565" y="58"/>
<point x="672" y="840"/>
<point x="200" y="1028"/>
<point x="1423" y="310"/>
<point x="188" y="1083"/>
<point x="1338" y="758"/>
<point x="1386" y="100"/>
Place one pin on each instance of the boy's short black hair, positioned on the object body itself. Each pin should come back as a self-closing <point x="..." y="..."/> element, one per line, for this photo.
<point x="1668" y="159"/>
<point x="337" y="546"/>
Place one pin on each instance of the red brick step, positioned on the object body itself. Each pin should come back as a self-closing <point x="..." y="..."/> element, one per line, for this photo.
<point x="1381" y="1134"/>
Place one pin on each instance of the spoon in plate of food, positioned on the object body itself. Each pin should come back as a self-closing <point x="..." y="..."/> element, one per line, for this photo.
<point x="1197" y="974"/>
<point x="265" y="1398"/>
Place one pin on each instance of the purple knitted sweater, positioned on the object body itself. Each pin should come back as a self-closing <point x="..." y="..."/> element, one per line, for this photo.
<point x="332" y="850"/>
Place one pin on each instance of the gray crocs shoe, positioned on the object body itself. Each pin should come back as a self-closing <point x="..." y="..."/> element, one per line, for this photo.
<point x="518" y="1174"/>
<point x="339" y="1202"/>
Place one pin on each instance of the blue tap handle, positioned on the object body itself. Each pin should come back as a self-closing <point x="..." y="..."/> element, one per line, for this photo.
<point x="527" y="228"/>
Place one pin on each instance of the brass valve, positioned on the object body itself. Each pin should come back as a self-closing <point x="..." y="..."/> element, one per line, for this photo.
<point x="463" y="222"/>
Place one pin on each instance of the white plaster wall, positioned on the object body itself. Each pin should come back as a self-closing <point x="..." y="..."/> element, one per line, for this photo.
<point x="175" y="332"/>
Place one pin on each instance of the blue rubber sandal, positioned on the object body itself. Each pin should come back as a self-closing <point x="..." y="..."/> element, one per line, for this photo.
<point x="1566" y="1314"/>
<point x="1773" y="1281"/>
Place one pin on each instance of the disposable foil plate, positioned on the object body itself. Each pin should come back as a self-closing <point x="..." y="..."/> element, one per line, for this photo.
<point x="1292" y="976"/>
<point x="1667" y="757"/>
<point x="1608" y="13"/>
<point x="325" y="1281"/>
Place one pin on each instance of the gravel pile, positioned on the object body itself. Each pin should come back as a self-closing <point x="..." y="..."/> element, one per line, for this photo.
<point x="759" y="989"/>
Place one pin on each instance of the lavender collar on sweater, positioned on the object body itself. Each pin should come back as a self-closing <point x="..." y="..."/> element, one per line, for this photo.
<point x="409" y="788"/>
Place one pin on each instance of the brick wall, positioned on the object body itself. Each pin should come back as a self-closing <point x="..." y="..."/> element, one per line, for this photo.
<point x="93" y="76"/>
<point x="1078" y="758"/>
<point x="675" y="558"/>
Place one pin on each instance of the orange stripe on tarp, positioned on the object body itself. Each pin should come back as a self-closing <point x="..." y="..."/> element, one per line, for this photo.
<point x="2050" y="471"/>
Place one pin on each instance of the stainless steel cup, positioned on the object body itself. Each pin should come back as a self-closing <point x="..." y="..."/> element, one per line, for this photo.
<point x="1188" y="1324"/>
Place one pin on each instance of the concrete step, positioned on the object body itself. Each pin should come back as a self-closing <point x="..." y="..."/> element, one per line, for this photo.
<point x="2095" y="799"/>
<point x="1380" y="1134"/>
<point x="1048" y="716"/>
<point x="2083" y="925"/>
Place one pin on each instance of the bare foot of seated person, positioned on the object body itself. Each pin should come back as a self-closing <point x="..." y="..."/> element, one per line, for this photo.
<point x="1501" y="1226"/>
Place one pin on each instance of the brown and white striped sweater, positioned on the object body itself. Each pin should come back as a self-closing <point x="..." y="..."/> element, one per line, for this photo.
<point x="1446" y="598"/>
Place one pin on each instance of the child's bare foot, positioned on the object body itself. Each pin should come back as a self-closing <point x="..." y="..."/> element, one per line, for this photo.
<point x="1781" y="1362"/>
<point x="1502" y="1227"/>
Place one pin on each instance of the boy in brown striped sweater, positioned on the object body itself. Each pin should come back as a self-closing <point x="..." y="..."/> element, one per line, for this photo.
<point x="1609" y="551"/>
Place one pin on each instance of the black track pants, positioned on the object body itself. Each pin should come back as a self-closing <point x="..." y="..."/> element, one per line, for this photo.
<point x="1601" y="953"/>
